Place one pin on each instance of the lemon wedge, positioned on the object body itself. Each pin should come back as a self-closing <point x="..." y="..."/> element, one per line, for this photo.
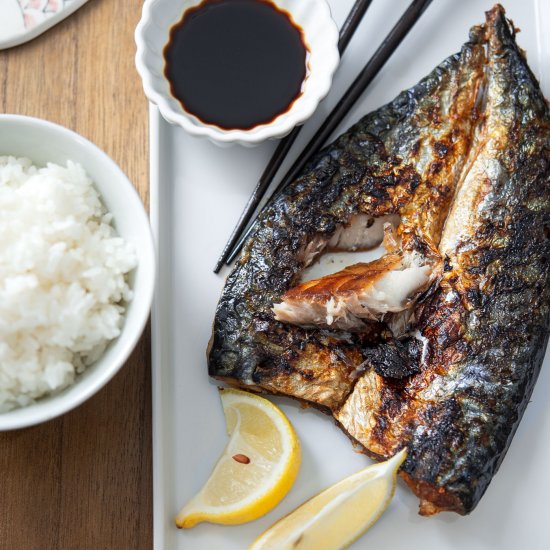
<point x="339" y="515"/>
<point x="257" y="468"/>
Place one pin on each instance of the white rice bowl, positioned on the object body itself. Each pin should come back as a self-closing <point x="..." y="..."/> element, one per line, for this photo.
<point x="63" y="278"/>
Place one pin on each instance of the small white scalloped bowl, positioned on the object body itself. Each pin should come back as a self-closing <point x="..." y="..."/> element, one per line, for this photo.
<point x="321" y="37"/>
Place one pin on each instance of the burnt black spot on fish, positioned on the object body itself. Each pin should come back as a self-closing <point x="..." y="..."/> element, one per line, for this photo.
<point x="424" y="460"/>
<point x="435" y="168"/>
<point x="434" y="114"/>
<point x="441" y="148"/>
<point x="416" y="147"/>
<point x="421" y="246"/>
<point x="307" y="374"/>
<point x="393" y="400"/>
<point x="395" y="359"/>
<point x="474" y="298"/>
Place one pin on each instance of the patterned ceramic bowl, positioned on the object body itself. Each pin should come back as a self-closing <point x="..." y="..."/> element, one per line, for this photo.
<point x="321" y="37"/>
<point x="23" y="20"/>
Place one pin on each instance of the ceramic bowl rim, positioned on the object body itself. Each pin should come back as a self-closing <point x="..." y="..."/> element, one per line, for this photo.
<point x="155" y="84"/>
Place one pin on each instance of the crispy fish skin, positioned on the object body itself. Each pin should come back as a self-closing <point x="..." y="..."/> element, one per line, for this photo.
<point x="407" y="152"/>
<point x="480" y="203"/>
<point x="486" y="327"/>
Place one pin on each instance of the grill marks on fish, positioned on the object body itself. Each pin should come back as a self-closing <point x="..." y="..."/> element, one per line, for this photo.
<point x="471" y="193"/>
<point x="445" y="147"/>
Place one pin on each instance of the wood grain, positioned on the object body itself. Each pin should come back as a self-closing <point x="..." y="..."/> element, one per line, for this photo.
<point x="83" y="481"/>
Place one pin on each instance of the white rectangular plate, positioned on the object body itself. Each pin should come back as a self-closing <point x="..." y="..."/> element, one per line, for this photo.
<point x="197" y="193"/>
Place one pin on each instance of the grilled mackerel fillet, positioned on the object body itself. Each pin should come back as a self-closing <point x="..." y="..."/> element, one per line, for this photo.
<point x="457" y="180"/>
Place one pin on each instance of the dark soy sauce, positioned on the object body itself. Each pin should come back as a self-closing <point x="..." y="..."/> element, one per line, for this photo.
<point x="236" y="63"/>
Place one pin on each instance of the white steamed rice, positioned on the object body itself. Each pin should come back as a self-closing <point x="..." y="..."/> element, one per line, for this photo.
<point x="62" y="278"/>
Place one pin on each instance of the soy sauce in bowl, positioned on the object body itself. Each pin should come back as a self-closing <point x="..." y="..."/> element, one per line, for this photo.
<point x="236" y="64"/>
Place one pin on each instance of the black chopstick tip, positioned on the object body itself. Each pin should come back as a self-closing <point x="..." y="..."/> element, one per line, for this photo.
<point x="218" y="266"/>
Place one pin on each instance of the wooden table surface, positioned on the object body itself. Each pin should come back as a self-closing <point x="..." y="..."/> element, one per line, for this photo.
<point x="84" y="480"/>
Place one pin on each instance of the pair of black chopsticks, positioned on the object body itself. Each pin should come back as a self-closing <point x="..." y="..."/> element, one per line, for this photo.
<point x="352" y="94"/>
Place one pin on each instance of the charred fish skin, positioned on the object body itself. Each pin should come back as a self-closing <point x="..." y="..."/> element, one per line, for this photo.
<point x="500" y="271"/>
<point x="375" y="168"/>
<point x="483" y="325"/>
<point x="486" y="327"/>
